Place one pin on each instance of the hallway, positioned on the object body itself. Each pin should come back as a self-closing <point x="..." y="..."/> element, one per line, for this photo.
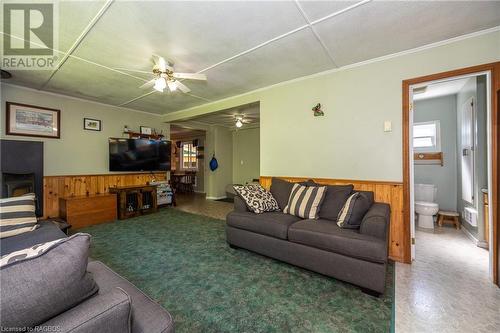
<point x="197" y="204"/>
<point x="447" y="284"/>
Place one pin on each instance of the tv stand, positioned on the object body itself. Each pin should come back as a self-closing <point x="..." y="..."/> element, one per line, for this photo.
<point x="135" y="200"/>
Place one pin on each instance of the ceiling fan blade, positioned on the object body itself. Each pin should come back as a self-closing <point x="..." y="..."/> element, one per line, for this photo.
<point x="182" y="87"/>
<point x="172" y="85"/>
<point x="148" y="84"/>
<point x="133" y="70"/>
<point x="162" y="64"/>
<point x="190" y="76"/>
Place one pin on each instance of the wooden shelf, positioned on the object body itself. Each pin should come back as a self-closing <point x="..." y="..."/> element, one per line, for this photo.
<point x="428" y="158"/>
<point x="132" y="135"/>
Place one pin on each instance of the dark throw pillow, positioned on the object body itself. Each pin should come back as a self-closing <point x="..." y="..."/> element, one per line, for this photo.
<point x="354" y="209"/>
<point x="281" y="189"/>
<point x="335" y="198"/>
<point x="257" y="199"/>
<point x="45" y="280"/>
<point x="305" y="201"/>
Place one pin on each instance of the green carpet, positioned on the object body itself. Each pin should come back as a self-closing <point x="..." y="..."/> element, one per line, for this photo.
<point x="182" y="261"/>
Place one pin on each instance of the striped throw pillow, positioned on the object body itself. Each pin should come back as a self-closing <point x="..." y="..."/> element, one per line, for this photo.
<point x="17" y="215"/>
<point x="355" y="208"/>
<point x="305" y="201"/>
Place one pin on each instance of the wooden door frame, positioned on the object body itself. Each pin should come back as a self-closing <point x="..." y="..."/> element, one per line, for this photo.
<point x="494" y="69"/>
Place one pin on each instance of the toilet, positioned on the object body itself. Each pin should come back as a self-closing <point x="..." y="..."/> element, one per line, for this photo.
<point x="425" y="205"/>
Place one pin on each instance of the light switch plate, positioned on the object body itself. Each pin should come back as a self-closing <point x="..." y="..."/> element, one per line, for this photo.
<point x="387" y="126"/>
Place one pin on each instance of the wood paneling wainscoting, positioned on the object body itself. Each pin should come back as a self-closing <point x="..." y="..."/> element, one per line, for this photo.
<point x="388" y="192"/>
<point x="55" y="187"/>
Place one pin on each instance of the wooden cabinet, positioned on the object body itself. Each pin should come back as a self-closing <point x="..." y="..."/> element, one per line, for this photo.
<point x="82" y="211"/>
<point x="135" y="200"/>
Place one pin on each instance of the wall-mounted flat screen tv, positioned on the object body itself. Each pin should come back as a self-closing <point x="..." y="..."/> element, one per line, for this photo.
<point x="139" y="155"/>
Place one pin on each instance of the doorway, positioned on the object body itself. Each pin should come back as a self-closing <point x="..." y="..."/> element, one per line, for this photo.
<point x="451" y="283"/>
<point x="491" y="72"/>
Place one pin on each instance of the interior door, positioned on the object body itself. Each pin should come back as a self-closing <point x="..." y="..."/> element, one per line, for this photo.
<point x="467" y="157"/>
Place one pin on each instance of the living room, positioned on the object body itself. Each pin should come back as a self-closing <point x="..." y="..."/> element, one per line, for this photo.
<point x="323" y="244"/>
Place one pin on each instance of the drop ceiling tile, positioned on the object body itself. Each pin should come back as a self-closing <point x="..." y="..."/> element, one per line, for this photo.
<point x="166" y="102"/>
<point x="74" y="16"/>
<point x="382" y="28"/>
<point x="80" y="79"/>
<point x="193" y="35"/>
<point x="30" y="78"/>
<point x="319" y="9"/>
<point x="294" y="56"/>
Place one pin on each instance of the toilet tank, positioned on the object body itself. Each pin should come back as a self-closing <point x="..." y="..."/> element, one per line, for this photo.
<point x="425" y="192"/>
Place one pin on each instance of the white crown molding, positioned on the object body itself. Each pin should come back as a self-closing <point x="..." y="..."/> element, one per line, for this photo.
<point x="343" y="68"/>
<point x="79" y="99"/>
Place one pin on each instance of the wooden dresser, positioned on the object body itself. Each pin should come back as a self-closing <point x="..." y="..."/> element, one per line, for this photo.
<point x="82" y="211"/>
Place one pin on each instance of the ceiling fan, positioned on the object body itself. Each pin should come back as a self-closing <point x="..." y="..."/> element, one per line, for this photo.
<point x="164" y="76"/>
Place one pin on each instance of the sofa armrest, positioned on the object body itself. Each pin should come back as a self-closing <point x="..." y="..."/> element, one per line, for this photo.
<point x="240" y="205"/>
<point x="376" y="221"/>
<point x="106" y="313"/>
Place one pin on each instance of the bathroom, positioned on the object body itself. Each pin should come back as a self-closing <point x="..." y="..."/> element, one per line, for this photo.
<point x="450" y="167"/>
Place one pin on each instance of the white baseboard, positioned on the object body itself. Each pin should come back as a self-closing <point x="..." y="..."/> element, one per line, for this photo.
<point x="216" y="198"/>
<point x="470" y="236"/>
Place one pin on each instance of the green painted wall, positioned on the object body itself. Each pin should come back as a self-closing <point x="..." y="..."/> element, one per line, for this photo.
<point x="219" y="140"/>
<point x="444" y="177"/>
<point x="246" y="155"/>
<point x="77" y="151"/>
<point x="348" y="142"/>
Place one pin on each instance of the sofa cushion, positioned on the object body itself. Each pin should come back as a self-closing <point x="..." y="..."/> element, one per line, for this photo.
<point x="47" y="231"/>
<point x="257" y="199"/>
<point x="40" y="287"/>
<point x="281" y="189"/>
<point x="273" y="224"/>
<point x="17" y="215"/>
<point x="104" y="313"/>
<point x="305" y="201"/>
<point x="354" y="210"/>
<point x="147" y="315"/>
<point x="325" y="235"/>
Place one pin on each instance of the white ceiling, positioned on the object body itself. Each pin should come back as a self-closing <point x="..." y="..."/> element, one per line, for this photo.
<point x="249" y="113"/>
<point x="240" y="46"/>
<point x="179" y="132"/>
<point x="440" y="89"/>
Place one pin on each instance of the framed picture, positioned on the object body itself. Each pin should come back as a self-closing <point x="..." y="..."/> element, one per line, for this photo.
<point x="146" y="130"/>
<point x="31" y="120"/>
<point x="90" y="124"/>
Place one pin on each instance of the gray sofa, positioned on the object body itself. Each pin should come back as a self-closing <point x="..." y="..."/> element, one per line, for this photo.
<point x="357" y="256"/>
<point x="117" y="306"/>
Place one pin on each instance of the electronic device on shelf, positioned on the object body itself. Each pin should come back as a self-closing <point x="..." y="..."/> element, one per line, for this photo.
<point x="164" y="192"/>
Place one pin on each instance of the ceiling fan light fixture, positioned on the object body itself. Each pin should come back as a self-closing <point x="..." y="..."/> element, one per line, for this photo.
<point x="160" y="84"/>
<point x="239" y="123"/>
<point x="172" y="85"/>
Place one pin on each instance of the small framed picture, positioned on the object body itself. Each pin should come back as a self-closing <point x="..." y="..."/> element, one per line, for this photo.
<point x="90" y="124"/>
<point x="146" y="130"/>
<point x="31" y="120"/>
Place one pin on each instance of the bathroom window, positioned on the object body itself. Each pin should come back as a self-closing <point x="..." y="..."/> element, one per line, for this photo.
<point x="426" y="136"/>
